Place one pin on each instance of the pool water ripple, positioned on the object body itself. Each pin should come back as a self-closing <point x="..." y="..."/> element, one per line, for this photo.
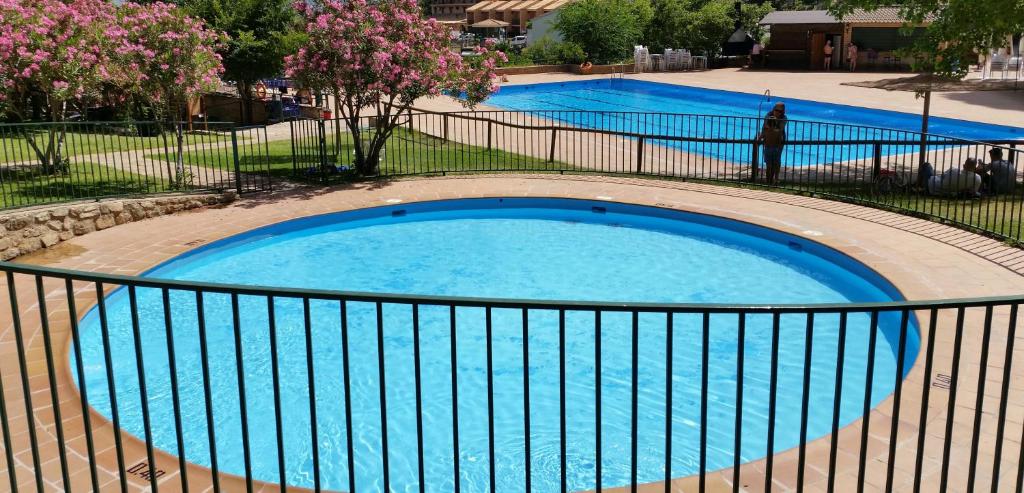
<point x="515" y="248"/>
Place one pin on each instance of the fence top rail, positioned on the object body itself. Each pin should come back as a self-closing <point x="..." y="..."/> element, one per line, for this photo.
<point x="461" y="301"/>
<point x="913" y="136"/>
<point x="113" y="123"/>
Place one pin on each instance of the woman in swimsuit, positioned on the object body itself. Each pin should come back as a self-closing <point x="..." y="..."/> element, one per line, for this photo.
<point x="828" y="55"/>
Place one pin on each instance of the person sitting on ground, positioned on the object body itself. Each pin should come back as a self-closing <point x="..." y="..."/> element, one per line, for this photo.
<point x="955" y="181"/>
<point x="999" y="175"/>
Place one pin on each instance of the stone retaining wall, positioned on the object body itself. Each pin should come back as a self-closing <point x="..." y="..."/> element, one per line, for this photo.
<point x="23" y="232"/>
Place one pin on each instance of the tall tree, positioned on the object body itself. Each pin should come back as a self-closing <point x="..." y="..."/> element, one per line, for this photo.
<point x="958" y="32"/>
<point x="606" y="29"/>
<point x="262" y="33"/>
<point x="376" y="58"/>
<point x="699" y="25"/>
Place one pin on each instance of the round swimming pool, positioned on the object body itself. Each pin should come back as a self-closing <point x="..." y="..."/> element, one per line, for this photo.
<point x="545" y="249"/>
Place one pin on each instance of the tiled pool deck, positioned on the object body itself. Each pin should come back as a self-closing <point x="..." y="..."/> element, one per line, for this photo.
<point x="925" y="260"/>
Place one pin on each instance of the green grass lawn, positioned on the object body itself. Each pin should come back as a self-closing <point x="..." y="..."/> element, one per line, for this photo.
<point x="15" y="147"/>
<point x="407" y="152"/>
<point x="26" y="186"/>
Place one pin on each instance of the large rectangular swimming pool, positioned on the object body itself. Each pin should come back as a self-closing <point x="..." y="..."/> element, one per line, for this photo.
<point x="573" y="102"/>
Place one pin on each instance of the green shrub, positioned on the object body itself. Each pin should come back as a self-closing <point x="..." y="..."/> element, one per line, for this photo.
<point x="606" y="29"/>
<point x="548" y="52"/>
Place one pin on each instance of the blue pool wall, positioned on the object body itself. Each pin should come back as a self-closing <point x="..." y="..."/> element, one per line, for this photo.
<point x="790" y="247"/>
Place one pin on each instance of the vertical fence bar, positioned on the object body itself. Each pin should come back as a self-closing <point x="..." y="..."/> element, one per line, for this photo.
<point x="275" y="372"/>
<point x="526" y="401"/>
<point x="634" y="404"/>
<point x="235" y="160"/>
<point x="866" y="409"/>
<point x="897" y="399"/>
<point x="979" y="404"/>
<point x="307" y="325"/>
<point x="347" y="384"/>
<point x="669" y="338"/>
<point x="925" y="394"/>
<point x="805" y="400"/>
<point x="773" y="386"/>
<point x="704" y="349"/>
<point x="236" y="325"/>
<point x="597" y="395"/>
<point x="207" y="391"/>
<point x="837" y="401"/>
<point x="12" y="471"/>
<point x="140" y="368"/>
<point x="386" y="469"/>
<point x="175" y="392"/>
<point x="58" y="421"/>
<point x="115" y="413"/>
<point x="951" y="405"/>
<point x="19" y="340"/>
<point x="741" y="339"/>
<point x="561" y="405"/>
<point x="1004" y="395"/>
<point x="492" y="478"/>
<point x="455" y="398"/>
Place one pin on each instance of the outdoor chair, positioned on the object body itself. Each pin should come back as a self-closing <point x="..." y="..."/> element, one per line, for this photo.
<point x="642" y="60"/>
<point x="673" y="59"/>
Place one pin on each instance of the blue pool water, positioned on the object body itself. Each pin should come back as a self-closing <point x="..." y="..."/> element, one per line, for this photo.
<point x="514" y="248"/>
<point x="824" y="121"/>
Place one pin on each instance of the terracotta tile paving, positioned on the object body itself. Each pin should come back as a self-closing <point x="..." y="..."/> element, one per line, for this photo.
<point x="923" y="259"/>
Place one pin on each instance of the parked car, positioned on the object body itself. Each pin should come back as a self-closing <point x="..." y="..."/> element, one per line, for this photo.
<point x="518" y="42"/>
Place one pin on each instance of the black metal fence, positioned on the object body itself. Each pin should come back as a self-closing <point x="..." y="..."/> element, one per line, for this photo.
<point x="43" y="163"/>
<point x="231" y="387"/>
<point x="873" y="166"/>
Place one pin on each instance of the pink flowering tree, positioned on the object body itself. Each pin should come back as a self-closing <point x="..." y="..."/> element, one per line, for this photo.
<point x="377" y="58"/>
<point x="166" y="59"/>
<point x="74" y="53"/>
<point x="54" y="55"/>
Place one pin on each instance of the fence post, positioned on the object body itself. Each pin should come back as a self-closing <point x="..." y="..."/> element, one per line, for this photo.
<point x="489" y="130"/>
<point x="444" y="135"/>
<point x="554" y="138"/>
<point x="755" y="157"/>
<point x="322" y="148"/>
<point x="876" y="159"/>
<point x="640" y="156"/>
<point x="1013" y="154"/>
<point x="295" y="160"/>
<point x="234" y="155"/>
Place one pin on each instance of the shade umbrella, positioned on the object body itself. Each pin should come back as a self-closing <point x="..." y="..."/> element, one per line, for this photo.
<point x="491" y="24"/>
<point x="922" y="85"/>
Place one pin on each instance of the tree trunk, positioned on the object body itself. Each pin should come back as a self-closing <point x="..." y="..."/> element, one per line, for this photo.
<point x="245" y="94"/>
<point x="923" y="151"/>
<point x="179" y="159"/>
<point x="51" y="158"/>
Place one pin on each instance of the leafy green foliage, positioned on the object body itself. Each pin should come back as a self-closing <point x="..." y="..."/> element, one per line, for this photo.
<point x="699" y="26"/>
<point x="262" y="33"/>
<point x="547" y="52"/>
<point x="960" y="29"/>
<point x="606" y="29"/>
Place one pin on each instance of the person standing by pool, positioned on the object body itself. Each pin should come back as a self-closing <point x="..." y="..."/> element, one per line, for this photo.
<point x="755" y="55"/>
<point x="828" y="55"/>
<point x="773" y="139"/>
<point x="851" y="56"/>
